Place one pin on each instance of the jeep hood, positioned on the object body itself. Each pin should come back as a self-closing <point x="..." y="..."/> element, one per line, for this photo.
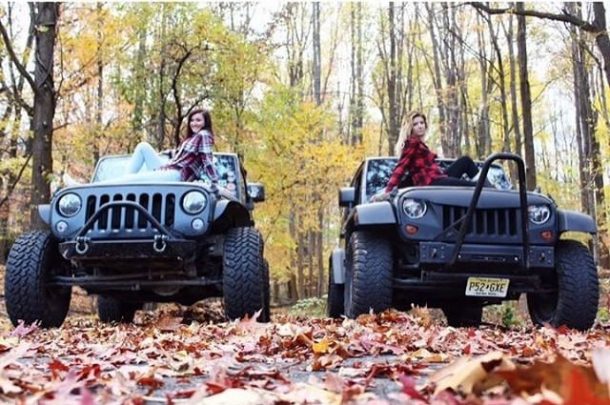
<point x="461" y="196"/>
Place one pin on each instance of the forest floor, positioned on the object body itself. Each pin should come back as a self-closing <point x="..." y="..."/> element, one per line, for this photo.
<point x="190" y="355"/>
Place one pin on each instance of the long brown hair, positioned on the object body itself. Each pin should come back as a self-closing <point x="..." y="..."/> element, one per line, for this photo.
<point x="406" y="131"/>
<point x="207" y="118"/>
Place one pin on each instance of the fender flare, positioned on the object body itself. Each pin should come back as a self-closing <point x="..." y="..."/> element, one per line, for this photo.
<point x="44" y="212"/>
<point x="574" y="221"/>
<point x="377" y="213"/>
<point x="338" y="262"/>
<point x="227" y="208"/>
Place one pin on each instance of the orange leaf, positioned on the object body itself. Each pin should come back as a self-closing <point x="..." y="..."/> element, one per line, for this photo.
<point x="558" y="377"/>
<point x="578" y="390"/>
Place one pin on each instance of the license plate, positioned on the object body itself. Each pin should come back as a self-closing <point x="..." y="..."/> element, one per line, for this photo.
<point x="487" y="287"/>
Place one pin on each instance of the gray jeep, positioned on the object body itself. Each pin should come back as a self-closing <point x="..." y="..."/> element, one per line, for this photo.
<point x="461" y="248"/>
<point x="142" y="242"/>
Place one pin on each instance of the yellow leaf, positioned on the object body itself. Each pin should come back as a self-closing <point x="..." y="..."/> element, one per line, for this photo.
<point x="320" y="347"/>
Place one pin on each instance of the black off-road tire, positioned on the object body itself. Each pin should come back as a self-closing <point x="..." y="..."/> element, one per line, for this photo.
<point x="110" y="309"/>
<point x="368" y="278"/>
<point x="32" y="260"/>
<point x="463" y="316"/>
<point x="266" y="313"/>
<point x="335" y="301"/>
<point x="242" y="279"/>
<point x="576" y="301"/>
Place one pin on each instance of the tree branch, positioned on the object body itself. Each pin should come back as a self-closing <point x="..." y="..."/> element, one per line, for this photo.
<point x="11" y="52"/>
<point x="12" y="186"/>
<point x="565" y="17"/>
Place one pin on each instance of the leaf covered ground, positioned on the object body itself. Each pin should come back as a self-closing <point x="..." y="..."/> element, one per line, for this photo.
<point x="168" y="357"/>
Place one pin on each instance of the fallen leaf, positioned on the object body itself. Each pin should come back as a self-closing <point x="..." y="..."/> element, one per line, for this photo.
<point x="560" y="376"/>
<point x="467" y="373"/>
<point x="320" y="347"/>
<point x="408" y="387"/>
<point x="22" y="329"/>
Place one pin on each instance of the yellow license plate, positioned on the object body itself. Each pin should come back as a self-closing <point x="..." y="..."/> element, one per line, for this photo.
<point x="487" y="287"/>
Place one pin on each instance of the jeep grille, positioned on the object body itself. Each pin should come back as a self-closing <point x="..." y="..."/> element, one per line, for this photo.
<point x="161" y="206"/>
<point x="503" y="223"/>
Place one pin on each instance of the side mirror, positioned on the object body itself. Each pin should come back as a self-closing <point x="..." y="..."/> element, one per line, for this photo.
<point x="256" y="191"/>
<point x="347" y="196"/>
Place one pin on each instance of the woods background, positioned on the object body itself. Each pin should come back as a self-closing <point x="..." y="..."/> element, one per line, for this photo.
<point x="304" y="91"/>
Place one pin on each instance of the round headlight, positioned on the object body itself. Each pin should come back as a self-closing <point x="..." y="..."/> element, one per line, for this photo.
<point x="539" y="214"/>
<point x="69" y="205"/>
<point x="414" y="209"/>
<point x="194" y="202"/>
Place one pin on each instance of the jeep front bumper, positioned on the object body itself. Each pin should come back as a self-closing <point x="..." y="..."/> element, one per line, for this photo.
<point x="120" y="249"/>
<point x="440" y="253"/>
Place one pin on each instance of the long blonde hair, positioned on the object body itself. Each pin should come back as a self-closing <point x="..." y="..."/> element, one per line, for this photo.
<point x="406" y="130"/>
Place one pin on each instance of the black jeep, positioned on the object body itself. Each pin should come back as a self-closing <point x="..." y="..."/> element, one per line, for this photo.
<point x="461" y="248"/>
<point x="142" y="242"/>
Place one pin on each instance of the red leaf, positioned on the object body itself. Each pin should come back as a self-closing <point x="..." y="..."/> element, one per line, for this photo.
<point x="55" y="366"/>
<point x="151" y="382"/>
<point x="408" y="387"/>
<point x="579" y="391"/>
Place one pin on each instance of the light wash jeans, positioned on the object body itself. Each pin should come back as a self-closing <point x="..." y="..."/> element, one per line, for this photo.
<point x="146" y="155"/>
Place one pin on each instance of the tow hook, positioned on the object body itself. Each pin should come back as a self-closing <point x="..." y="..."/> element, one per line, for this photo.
<point x="160" y="243"/>
<point x="82" y="245"/>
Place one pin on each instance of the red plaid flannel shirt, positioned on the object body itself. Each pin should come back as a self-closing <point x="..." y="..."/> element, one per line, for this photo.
<point x="194" y="157"/>
<point x="418" y="160"/>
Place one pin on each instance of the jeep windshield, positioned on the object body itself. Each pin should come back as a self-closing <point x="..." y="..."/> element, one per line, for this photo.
<point x="113" y="167"/>
<point x="379" y="170"/>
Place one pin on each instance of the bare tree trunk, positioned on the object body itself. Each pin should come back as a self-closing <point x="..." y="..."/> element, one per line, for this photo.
<point x="582" y="150"/>
<point x="301" y="287"/>
<point x="317" y="65"/>
<point x="320" y="252"/>
<point x="359" y="123"/>
<point x="390" y="86"/>
<point x="315" y="237"/>
<point x="140" y="83"/>
<point x="436" y="73"/>
<point x="601" y="37"/>
<point x="392" y="80"/>
<point x="526" y="100"/>
<point x="296" y="40"/>
<point x="357" y="80"/>
<point x="464" y="110"/>
<point x="451" y="138"/>
<point x="483" y="141"/>
<point x="162" y="117"/>
<point x="100" y="85"/>
<point x="502" y="85"/>
<point x="44" y="107"/>
<point x="513" y="93"/>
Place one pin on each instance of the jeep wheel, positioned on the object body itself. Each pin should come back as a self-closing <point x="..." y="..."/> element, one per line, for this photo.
<point x="110" y="309"/>
<point x="575" y="302"/>
<point x="463" y="316"/>
<point x="334" y="302"/>
<point x="33" y="259"/>
<point x="368" y="278"/>
<point x="242" y="279"/>
<point x="266" y="314"/>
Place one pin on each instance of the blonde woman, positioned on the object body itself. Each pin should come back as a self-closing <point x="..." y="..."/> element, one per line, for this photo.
<point x="419" y="161"/>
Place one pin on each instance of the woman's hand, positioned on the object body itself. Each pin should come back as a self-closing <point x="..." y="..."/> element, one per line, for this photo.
<point x="381" y="196"/>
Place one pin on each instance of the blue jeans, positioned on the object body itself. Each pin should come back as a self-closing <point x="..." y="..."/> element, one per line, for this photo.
<point x="146" y="155"/>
